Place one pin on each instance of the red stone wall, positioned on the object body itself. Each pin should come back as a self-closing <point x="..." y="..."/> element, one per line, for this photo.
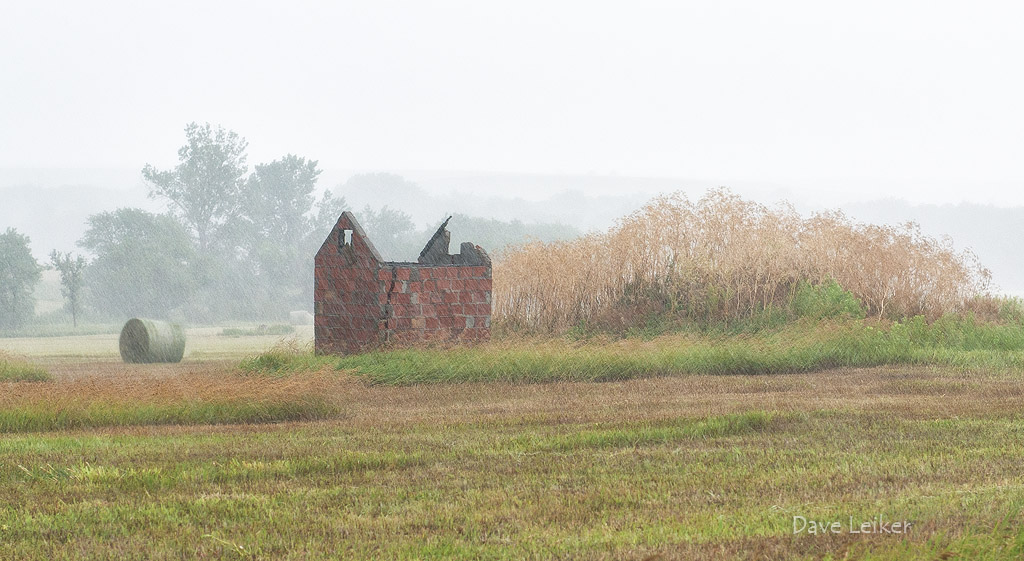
<point x="437" y="302"/>
<point x="362" y="302"/>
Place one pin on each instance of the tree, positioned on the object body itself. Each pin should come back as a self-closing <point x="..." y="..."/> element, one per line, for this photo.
<point x="204" y="189"/>
<point x="274" y="224"/>
<point x="279" y="198"/>
<point x="70" y="281"/>
<point x="19" y="273"/>
<point x="392" y="232"/>
<point x="143" y="263"/>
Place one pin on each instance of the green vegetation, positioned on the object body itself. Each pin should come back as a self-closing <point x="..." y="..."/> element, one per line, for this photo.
<point x="17" y="371"/>
<point x="674" y="468"/>
<point x="138" y="269"/>
<point x="43" y="416"/>
<point x="19" y="272"/>
<point x="802" y="346"/>
<point x="647" y="433"/>
<point x="827" y="300"/>
<point x="282" y="360"/>
<point x="71" y="281"/>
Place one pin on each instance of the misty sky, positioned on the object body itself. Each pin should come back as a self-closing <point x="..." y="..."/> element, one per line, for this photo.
<point x="920" y="100"/>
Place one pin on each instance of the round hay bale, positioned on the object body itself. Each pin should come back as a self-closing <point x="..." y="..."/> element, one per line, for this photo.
<point x="147" y="340"/>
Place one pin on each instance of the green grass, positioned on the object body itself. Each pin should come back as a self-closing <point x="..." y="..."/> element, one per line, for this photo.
<point x="645" y="434"/>
<point x="27" y="417"/>
<point x="715" y="487"/>
<point x="282" y="360"/>
<point x="17" y="371"/>
<point x="803" y="346"/>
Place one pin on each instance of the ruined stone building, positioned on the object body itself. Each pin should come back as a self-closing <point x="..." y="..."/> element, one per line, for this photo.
<point x="362" y="302"/>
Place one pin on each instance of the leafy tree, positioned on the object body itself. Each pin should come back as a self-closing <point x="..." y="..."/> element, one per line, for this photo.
<point x="205" y="188"/>
<point x="275" y="222"/>
<point x="70" y="281"/>
<point x="279" y="198"/>
<point x="143" y="263"/>
<point x="392" y="233"/>
<point x="19" y="273"/>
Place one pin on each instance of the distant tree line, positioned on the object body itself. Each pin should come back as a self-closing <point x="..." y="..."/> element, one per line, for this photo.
<point x="235" y="243"/>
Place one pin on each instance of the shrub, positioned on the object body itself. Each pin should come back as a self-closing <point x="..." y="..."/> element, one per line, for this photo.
<point x="1011" y="310"/>
<point x="827" y="300"/>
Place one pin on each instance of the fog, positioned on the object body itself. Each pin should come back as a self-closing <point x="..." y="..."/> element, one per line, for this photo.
<point x="565" y="114"/>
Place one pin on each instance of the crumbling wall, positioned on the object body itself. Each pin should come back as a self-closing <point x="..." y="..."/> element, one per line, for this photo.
<point x="436" y="251"/>
<point x="363" y="302"/>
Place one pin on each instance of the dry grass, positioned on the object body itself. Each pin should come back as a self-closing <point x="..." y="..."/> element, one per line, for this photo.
<point x="187" y="386"/>
<point x="165" y="395"/>
<point x="723" y="259"/>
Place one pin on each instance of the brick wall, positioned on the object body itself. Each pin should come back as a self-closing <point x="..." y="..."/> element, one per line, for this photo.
<point x="362" y="302"/>
<point x="346" y="304"/>
<point x="437" y="302"/>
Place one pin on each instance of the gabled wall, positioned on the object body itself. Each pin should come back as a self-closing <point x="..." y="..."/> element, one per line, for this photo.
<point x="362" y="302"/>
<point x="347" y="296"/>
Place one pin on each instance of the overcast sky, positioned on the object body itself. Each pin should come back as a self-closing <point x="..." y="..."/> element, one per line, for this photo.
<point x="920" y="100"/>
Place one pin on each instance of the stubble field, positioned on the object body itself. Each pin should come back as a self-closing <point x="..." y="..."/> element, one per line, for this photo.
<point x="206" y="460"/>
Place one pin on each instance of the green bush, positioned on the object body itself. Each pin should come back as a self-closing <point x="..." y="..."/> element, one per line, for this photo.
<point x="827" y="300"/>
<point x="1011" y="310"/>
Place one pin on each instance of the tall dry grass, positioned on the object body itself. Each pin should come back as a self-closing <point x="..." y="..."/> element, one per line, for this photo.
<point x="724" y="258"/>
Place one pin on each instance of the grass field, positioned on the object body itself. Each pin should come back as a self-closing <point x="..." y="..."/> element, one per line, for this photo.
<point x="207" y="460"/>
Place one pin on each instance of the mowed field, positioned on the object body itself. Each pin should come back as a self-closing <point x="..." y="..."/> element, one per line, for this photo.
<point x="204" y="460"/>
